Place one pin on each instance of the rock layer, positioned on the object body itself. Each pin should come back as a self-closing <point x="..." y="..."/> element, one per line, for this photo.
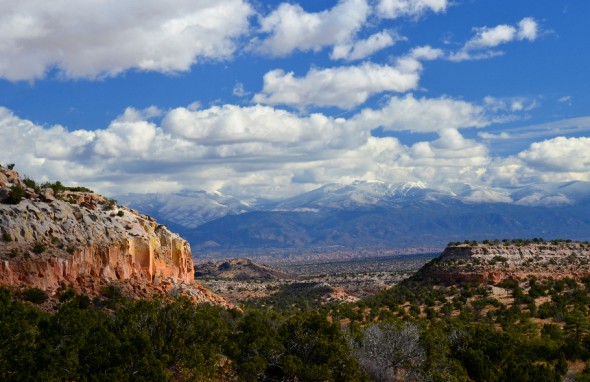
<point x="83" y="240"/>
<point x="488" y="262"/>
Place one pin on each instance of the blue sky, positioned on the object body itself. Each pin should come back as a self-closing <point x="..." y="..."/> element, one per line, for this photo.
<point x="271" y="99"/>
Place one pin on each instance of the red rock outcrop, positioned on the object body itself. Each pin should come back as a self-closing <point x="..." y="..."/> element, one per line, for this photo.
<point x="85" y="241"/>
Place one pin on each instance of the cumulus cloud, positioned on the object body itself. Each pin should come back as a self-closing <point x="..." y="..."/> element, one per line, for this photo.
<point x="450" y="150"/>
<point x="230" y="124"/>
<point x="291" y="28"/>
<point x="346" y="86"/>
<point x="555" y="160"/>
<point x="94" y="39"/>
<point x="364" y="48"/>
<point x="423" y="115"/>
<point x="246" y="151"/>
<point x="261" y="151"/>
<point x="219" y="147"/>
<point x="559" y="154"/>
<point x="392" y="9"/>
<point x="480" y="46"/>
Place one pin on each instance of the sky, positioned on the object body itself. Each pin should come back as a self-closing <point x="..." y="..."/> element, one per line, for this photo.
<point x="270" y="99"/>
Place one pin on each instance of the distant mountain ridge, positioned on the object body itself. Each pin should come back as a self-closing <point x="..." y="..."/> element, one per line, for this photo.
<point x="374" y="214"/>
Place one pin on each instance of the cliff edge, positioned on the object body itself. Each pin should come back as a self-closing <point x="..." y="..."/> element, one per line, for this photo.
<point x="53" y="236"/>
<point x="509" y="260"/>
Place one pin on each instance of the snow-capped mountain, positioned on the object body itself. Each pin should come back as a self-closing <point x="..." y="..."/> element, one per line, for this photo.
<point x="374" y="214"/>
<point x="188" y="209"/>
<point x="360" y="194"/>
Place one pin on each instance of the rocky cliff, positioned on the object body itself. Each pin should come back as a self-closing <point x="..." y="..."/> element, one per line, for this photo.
<point x="53" y="236"/>
<point x="520" y="260"/>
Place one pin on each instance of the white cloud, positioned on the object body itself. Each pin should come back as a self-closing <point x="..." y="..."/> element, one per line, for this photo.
<point x="426" y="53"/>
<point x="491" y="37"/>
<point x="559" y="154"/>
<point x="291" y="28"/>
<point x="260" y="151"/>
<point x="479" y="46"/>
<point x="510" y="104"/>
<point x="528" y="29"/>
<point x="554" y="160"/>
<point x="346" y="86"/>
<point x="94" y="39"/>
<point x="451" y="149"/>
<point x="392" y="9"/>
<point x="490" y="136"/>
<point x="580" y="125"/>
<point x="239" y="90"/>
<point x="423" y="115"/>
<point x="230" y="125"/>
<point x="364" y="48"/>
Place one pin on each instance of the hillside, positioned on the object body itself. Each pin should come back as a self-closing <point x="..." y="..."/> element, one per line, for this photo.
<point x="55" y="237"/>
<point x="239" y="270"/>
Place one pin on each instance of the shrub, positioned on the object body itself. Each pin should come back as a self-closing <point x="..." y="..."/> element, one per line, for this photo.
<point x="79" y="189"/>
<point x="67" y="295"/>
<point x="120" y="213"/>
<point x="34" y="295"/>
<point x="10" y="166"/>
<point x="500" y="259"/>
<point x="39" y="248"/>
<point x="30" y="183"/>
<point x="6" y="237"/>
<point x="16" y="194"/>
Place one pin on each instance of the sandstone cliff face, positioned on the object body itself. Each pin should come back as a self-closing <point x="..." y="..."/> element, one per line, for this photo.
<point x="84" y="240"/>
<point x="483" y="262"/>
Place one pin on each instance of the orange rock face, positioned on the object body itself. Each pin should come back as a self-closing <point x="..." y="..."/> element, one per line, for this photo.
<point x="82" y="240"/>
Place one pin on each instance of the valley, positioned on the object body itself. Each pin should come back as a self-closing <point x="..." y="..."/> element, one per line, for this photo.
<point x="90" y="285"/>
<point x="341" y="280"/>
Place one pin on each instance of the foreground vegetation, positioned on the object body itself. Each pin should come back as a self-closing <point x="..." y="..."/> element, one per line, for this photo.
<point x="114" y="339"/>
<point x="513" y="331"/>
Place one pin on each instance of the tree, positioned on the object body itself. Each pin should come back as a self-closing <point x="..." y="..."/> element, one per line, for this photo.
<point x="316" y="350"/>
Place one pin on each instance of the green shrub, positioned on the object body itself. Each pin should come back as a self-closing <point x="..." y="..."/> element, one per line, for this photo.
<point x="34" y="295"/>
<point x="6" y="237"/>
<point x="79" y="189"/>
<point x="39" y="248"/>
<point x="16" y="194"/>
<point x="30" y="183"/>
<point x="120" y="213"/>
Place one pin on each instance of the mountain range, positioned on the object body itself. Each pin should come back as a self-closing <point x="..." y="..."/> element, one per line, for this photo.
<point x="372" y="214"/>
